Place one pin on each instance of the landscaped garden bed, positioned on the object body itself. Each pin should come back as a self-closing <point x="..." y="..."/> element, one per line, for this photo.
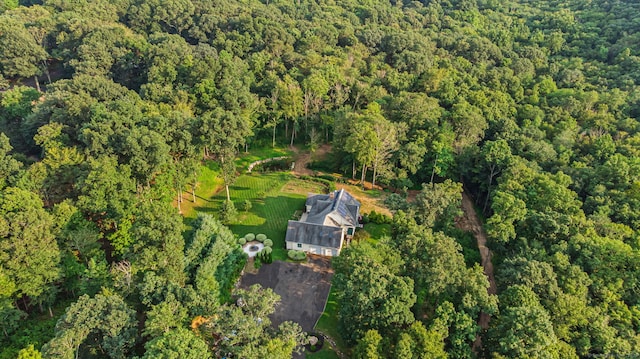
<point x="315" y="342"/>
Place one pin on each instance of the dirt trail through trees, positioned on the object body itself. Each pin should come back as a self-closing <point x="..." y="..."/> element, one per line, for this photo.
<point x="302" y="158"/>
<point x="470" y="222"/>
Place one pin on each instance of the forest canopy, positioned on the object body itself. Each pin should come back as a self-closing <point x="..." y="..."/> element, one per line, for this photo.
<point x="108" y="108"/>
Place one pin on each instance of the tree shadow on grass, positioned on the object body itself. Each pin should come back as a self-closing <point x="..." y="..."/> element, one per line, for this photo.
<point x="276" y="212"/>
<point x="239" y="188"/>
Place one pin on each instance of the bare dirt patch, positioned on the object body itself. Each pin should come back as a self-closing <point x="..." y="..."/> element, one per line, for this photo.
<point x="303" y="158"/>
<point x="367" y="201"/>
<point x="303" y="289"/>
<point x="471" y="223"/>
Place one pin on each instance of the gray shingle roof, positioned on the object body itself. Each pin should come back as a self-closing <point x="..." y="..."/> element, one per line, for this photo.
<point x="314" y="234"/>
<point x="340" y="206"/>
<point x="324" y="221"/>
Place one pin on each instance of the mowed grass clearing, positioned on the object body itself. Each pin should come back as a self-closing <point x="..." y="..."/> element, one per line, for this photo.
<point x="209" y="183"/>
<point x="274" y="197"/>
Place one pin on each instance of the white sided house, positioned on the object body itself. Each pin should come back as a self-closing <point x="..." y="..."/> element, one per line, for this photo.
<point x="328" y="222"/>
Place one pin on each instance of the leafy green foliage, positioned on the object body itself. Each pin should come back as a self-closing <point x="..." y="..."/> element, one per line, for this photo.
<point x="104" y="322"/>
<point x="372" y="295"/>
<point x="296" y="255"/>
<point x="246" y="327"/>
<point x="532" y="105"/>
<point x="29" y="254"/>
<point x="177" y="343"/>
<point x="265" y="255"/>
<point x="369" y="346"/>
<point x="29" y="353"/>
<point x="228" y="212"/>
<point x="21" y="54"/>
<point x="165" y="316"/>
<point x="9" y="167"/>
<point x="246" y="206"/>
<point x="524" y="327"/>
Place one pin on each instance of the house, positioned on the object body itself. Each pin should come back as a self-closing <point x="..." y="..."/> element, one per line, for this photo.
<point x="328" y="222"/>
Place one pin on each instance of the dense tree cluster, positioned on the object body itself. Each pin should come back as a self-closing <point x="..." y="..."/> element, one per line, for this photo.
<point x="107" y="107"/>
<point x="414" y="291"/>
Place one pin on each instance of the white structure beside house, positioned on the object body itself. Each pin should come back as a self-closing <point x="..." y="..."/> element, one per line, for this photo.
<point x="329" y="221"/>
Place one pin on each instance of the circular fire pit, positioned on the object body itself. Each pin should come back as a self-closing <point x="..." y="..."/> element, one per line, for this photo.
<point x="252" y="248"/>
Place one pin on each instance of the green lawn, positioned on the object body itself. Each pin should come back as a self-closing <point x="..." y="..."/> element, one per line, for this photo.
<point x="209" y="183"/>
<point x="275" y="197"/>
<point x="328" y="322"/>
<point x="270" y="208"/>
<point x="324" y="353"/>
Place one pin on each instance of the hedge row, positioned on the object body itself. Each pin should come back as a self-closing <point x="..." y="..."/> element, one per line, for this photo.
<point x="377" y="218"/>
<point x="331" y="186"/>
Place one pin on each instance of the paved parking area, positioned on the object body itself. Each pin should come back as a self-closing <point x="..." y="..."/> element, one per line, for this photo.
<point x="303" y="288"/>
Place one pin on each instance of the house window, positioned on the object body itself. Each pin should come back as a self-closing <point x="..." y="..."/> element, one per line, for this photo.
<point x="350" y="231"/>
<point x="299" y="245"/>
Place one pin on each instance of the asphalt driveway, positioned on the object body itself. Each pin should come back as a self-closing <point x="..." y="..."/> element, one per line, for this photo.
<point x="303" y="288"/>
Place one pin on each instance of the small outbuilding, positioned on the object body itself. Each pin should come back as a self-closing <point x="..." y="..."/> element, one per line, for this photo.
<point x="327" y="224"/>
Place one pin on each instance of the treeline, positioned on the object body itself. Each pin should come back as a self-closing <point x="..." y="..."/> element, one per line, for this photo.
<point x="422" y="297"/>
<point x="533" y="105"/>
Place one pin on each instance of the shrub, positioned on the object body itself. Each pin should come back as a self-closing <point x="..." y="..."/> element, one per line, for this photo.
<point x="324" y="165"/>
<point x="242" y="241"/>
<point x="327" y="177"/>
<point x="265" y="255"/>
<point x="365" y="218"/>
<point x="361" y="235"/>
<point x="315" y="341"/>
<point x="249" y="237"/>
<point x="261" y="237"/>
<point x="273" y="166"/>
<point x="378" y="218"/>
<point x="331" y="186"/>
<point x="396" y="202"/>
<point x="228" y="212"/>
<point x="296" y="255"/>
<point x="268" y="243"/>
<point x="247" y="205"/>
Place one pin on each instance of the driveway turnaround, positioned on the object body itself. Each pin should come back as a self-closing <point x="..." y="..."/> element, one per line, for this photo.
<point x="303" y="288"/>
